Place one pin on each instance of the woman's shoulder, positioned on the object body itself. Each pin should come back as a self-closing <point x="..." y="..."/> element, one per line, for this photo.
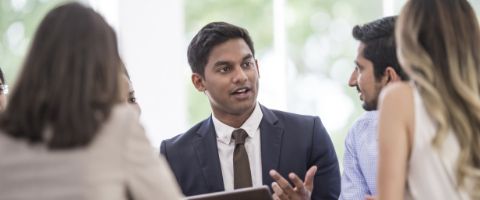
<point x="398" y="95"/>
<point x="397" y="90"/>
<point x="397" y="100"/>
<point x="122" y="114"/>
<point x="124" y="109"/>
<point x="396" y="103"/>
<point x="122" y="117"/>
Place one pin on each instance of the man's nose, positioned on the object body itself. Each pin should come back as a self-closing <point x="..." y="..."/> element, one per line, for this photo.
<point x="240" y="75"/>
<point x="352" y="82"/>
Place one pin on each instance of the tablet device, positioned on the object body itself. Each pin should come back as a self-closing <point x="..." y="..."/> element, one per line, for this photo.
<point x="257" y="193"/>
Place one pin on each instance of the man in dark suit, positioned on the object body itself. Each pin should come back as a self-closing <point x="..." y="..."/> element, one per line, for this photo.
<point x="242" y="140"/>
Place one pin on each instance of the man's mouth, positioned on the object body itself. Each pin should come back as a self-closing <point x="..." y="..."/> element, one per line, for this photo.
<point x="241" y="90"/>
<point x="242" y="93"/>
<point x="359" y="93"/>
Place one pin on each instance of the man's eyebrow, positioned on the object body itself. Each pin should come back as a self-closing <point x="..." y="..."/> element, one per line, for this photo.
<point x="220" y="63"/>
<point x="249" y="56"/>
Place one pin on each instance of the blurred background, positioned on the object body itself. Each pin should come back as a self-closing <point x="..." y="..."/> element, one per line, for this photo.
<point x="304" y="48"/>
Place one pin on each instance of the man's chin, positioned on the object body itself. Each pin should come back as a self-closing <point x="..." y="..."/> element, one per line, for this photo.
<point x="243" y="107"/>
<point x="369" y="107"/>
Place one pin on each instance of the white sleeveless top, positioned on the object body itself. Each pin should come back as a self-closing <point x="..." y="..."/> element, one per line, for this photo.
<point x="431" y="172"/>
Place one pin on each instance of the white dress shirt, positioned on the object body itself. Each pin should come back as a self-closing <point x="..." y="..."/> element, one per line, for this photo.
<point x="226" y="146"/>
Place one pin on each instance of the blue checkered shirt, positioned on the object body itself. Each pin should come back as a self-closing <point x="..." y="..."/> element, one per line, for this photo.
<point x="360" y="159"/>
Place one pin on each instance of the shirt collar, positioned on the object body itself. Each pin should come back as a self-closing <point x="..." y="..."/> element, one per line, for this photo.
<point x="371" y="114"/>
<point x="224" y="131"/>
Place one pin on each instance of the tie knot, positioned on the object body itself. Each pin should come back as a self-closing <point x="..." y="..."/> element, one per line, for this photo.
<point x="239" y="136"/>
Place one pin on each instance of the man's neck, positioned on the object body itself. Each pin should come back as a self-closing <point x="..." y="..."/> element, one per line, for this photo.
<point x="235" y="121"/>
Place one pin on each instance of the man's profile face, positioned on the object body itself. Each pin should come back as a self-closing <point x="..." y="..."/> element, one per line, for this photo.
<point x="364" y="80"/>
<point x="231" y="78"/>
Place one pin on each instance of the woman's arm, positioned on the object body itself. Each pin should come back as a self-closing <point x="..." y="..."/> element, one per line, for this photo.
<point x="395" y="127"/>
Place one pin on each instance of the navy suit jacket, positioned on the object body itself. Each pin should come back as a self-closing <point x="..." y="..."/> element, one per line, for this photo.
<point x="289" y="143"/>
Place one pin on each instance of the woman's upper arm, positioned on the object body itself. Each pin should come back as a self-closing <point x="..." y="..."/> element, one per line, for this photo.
<point x="148" y="175"/>
<point x="395" y="122"/>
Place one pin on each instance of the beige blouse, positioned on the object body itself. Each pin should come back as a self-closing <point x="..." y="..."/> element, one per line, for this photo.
<point x="120" y="158"/>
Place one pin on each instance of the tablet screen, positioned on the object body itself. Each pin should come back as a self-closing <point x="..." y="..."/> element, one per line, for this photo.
<point x="257" y="193"/>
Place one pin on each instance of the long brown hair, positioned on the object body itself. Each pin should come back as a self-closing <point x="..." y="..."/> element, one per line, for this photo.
<point x="439" y="47"/>
<point x="69" y="81"/>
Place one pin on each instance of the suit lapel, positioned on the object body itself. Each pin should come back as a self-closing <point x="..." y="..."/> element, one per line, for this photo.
<point x="207" y="154"/>
<point x="271" y="133"/>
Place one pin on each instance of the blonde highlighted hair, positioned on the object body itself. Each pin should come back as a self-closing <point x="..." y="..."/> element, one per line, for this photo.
<point x="438" y="45"/>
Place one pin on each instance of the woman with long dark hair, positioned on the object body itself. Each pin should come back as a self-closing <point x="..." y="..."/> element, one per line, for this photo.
<point x="66" y="133"/>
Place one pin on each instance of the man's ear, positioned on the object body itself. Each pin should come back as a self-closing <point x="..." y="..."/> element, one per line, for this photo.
<point x="197" y="81"/>
<point x="391" y="75"/>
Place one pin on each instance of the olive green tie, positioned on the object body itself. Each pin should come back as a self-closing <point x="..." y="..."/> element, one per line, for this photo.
<point x="241" y="166"/>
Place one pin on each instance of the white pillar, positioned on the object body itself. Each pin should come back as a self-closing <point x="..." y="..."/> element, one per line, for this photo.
<point x="151" y="38"/>
<point x="388" y="7"/>
<point x="273" y="67"/>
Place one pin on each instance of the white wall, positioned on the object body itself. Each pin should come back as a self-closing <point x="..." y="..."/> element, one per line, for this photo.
<point x="151" y="37"/>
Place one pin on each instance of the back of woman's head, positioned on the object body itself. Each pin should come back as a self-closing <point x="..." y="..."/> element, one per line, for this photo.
<point x="69" y="81"/>
<point x="439" y="47"/>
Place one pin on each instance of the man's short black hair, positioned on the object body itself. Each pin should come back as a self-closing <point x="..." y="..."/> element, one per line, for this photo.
<point x="208" y="37"/>
<point x="379" y="39"/>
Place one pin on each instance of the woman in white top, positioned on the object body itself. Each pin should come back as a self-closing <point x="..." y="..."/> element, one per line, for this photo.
<point x="429" y="129"/>
<point x="66" y="134"/>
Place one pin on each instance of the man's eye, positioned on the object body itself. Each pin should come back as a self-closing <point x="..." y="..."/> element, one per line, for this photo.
<point x="224" y="69"/>
<point x="247" y="64"/>
<point x="357" y="69"/>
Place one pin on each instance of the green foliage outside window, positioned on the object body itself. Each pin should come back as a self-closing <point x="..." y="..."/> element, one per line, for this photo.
<point x="18" y="22"/>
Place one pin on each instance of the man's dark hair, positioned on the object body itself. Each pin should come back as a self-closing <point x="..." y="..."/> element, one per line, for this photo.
<point x="379" y="39"/>
<point x="208" y="37"/>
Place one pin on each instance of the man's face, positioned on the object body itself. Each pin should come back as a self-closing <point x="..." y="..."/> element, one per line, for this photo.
<point x="364" y="80"/>
<point x="231" y="78"/>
